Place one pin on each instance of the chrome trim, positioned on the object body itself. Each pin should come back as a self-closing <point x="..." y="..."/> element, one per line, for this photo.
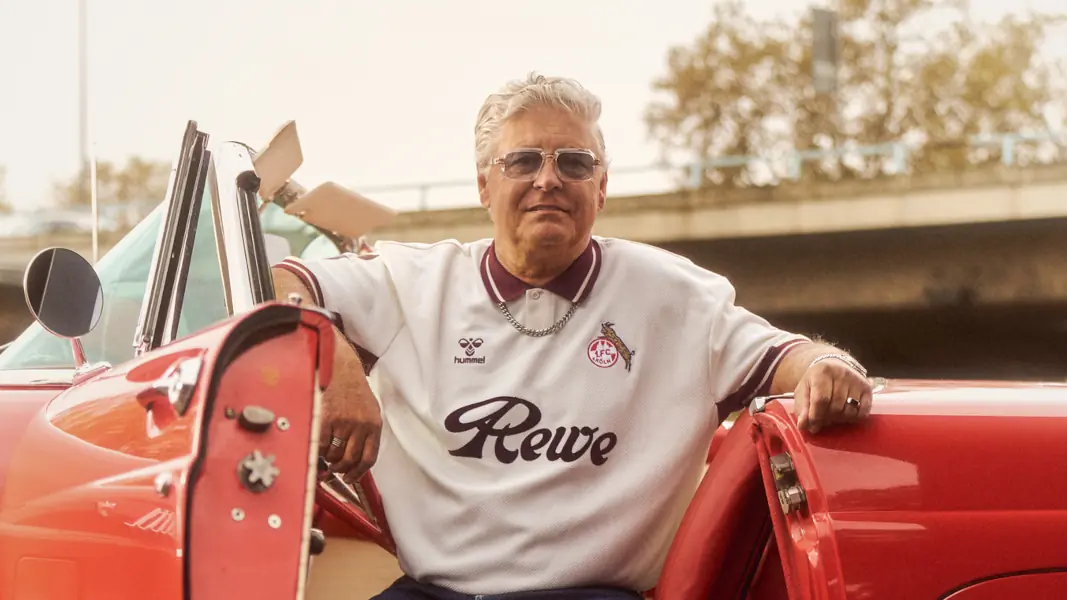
<point x="149" y="308"/>
<point x="195" y="203"/>
<point x="230" y="160"/>
<point x="220" y="236"/>
<point x="179" y="383"/>
<point x="161" y="276"/>
<point x="25" y="377"/>
<point x="878" y="384"/>
<point x="91" y="369"/>
<point x="759" y="403"/>
<point x="310" y="486"/>
<point x="262" y="284"/>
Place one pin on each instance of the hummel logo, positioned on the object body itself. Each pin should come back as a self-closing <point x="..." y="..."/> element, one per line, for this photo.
<point x="470" y="346"/>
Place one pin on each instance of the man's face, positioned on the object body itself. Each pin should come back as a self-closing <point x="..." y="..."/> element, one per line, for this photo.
<point x="547" y="211"/>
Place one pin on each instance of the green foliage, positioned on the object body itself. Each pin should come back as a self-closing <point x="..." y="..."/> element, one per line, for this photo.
<point x="139" y="180"/>
<point x="919" y="70"/>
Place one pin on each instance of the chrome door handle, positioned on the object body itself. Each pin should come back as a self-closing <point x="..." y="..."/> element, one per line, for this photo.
<point x="179" y="383"/>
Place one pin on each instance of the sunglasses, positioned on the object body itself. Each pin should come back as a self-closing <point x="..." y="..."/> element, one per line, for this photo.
<point x="572" y="164"/>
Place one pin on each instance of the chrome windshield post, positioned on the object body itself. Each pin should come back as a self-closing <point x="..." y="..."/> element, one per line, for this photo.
<point x="245" y="267"/>
<point x="166" y="279"/>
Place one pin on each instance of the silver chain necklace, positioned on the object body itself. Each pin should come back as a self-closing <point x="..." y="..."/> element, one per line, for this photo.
<point x="537" y="332"/>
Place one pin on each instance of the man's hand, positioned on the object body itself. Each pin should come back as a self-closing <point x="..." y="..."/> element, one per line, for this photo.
<point x="823" y="383"/>
<point x="829" y="393"/>
<point x="351" y="419"/>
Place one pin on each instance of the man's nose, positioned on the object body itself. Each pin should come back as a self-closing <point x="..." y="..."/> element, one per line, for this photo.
<point x="547" y="178"/>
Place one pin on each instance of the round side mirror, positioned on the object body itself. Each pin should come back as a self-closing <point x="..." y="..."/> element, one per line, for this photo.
<point x="63" y="292"/>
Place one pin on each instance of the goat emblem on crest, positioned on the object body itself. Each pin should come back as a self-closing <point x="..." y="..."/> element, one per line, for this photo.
<point x="605" y="350"/>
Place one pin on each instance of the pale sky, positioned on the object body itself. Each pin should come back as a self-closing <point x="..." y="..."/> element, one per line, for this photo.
<point x="383" y="93"/>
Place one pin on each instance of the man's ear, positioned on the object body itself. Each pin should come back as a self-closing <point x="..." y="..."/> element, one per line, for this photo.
<point x="602" y="193"/>
<point x="483" y="189"/>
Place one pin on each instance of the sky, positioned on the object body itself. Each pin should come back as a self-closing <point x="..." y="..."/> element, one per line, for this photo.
<point x="383" y="93"/>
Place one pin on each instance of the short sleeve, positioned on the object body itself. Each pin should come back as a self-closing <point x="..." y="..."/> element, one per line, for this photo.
<point x="360" y="290"/>
<point x="745" y="351"/>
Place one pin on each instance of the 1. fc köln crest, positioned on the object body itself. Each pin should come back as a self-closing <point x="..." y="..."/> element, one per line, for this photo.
<point x="606" y="349"/>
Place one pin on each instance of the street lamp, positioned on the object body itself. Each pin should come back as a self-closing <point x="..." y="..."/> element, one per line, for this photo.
<point x="824" y="55"/>
<point x="83" y="90"/>
<point x="88" y="166"/>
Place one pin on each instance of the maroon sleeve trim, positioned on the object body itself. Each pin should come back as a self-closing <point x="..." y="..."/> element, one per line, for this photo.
<point x="307" y="277"/>
<point x="759" y="383"/>
<point x="366" y="357"/>
<point x="312" y="283"/>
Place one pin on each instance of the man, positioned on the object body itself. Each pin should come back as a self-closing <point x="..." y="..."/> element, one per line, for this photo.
<point x="545" y="398"/>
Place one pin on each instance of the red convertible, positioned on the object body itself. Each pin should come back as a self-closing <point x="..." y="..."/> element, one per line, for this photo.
<point x="159" y="422"/>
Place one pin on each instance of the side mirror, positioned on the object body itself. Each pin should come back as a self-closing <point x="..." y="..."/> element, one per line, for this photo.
<point x="64" y="294"/>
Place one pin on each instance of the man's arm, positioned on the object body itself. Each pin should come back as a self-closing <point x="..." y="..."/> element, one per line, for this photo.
<point x="350" y="411"/>
<point x="823" y="389"/>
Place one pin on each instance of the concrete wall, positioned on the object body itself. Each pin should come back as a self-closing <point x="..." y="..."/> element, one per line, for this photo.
<point x="982" y="195"/>
<point x="943" y="258"/>
<point x="986" y="195"/>
<point x="974" y="302"/>
<point x="994" y="264"/>
<point x="14" y="316"/>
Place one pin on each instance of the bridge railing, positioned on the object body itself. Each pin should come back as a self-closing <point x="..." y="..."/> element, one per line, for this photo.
<point x="664" y="177"/>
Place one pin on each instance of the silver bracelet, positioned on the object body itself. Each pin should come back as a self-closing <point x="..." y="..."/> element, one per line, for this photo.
<point x="848" y="360"/>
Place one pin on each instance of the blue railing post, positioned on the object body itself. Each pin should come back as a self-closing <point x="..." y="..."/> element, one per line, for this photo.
<point x="897" y="152"/>
<point x="796" y="161"/>
<point x="900" y="156"/>
<point x="424" y="197"/>
<point x="1007" y="150"/>
<point x="696" y="174"/>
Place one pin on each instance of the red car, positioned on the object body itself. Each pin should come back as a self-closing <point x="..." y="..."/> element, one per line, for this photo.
<point x="158" y="435"/>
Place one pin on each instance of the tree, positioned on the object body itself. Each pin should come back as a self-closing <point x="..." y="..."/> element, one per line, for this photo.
<point x="5" y="207"/>
<point x="744" y="87"/>
<point x="140" y="180"/>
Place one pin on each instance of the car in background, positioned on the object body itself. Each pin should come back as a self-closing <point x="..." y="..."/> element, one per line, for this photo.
<point x="159" y="422"/>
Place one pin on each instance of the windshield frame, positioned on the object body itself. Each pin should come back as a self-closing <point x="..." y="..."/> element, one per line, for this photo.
<point x="226" y="172"/>
<point x="165" y="288"/>
<point x="245" y="269"/>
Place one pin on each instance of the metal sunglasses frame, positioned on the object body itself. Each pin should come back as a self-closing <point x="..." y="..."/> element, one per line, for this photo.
<point x="544" y="157"/>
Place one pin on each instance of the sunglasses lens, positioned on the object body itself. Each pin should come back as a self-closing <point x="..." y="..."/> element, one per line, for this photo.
<point x="522" y="164"/>
<point x="575" y="166"/>
<point x="570" y="165"/>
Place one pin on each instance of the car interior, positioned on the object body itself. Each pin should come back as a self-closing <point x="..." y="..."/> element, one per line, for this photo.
<point x="724" y="548"/>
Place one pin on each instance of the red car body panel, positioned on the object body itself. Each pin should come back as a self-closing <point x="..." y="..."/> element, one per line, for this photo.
<point x="948" y="485"/>
<point x="1031" y="586"/>
<point x="19" y="405"/>
<point x="94" y="501"/>
<point x="950" y="490"/>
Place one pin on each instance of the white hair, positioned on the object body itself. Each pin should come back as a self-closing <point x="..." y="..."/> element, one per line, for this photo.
<point x="521" y="95"/>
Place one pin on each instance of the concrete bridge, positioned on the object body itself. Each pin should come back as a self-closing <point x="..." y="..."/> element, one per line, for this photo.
<point x="954" y="274"/>
<point x="959" y="274"/>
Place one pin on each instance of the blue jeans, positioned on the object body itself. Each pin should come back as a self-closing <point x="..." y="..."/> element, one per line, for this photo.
<point x="407" y="588"/>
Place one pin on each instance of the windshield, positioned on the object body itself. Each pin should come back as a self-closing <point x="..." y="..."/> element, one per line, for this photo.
<point x="302" y="239"/>
<point x="124" y="271"/>
<point x="124" y="274"/>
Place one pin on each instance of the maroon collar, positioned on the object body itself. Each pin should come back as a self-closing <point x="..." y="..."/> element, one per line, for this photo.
<point x="574" y="284"/>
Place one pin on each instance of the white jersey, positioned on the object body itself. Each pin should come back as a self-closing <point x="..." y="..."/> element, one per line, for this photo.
<point x="510" y="462"/>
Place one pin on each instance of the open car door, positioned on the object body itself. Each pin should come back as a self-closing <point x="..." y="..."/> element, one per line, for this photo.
<point x="186" y="471"/>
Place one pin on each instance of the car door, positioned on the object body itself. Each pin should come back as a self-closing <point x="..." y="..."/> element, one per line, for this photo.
<point x="186" y="471"/>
